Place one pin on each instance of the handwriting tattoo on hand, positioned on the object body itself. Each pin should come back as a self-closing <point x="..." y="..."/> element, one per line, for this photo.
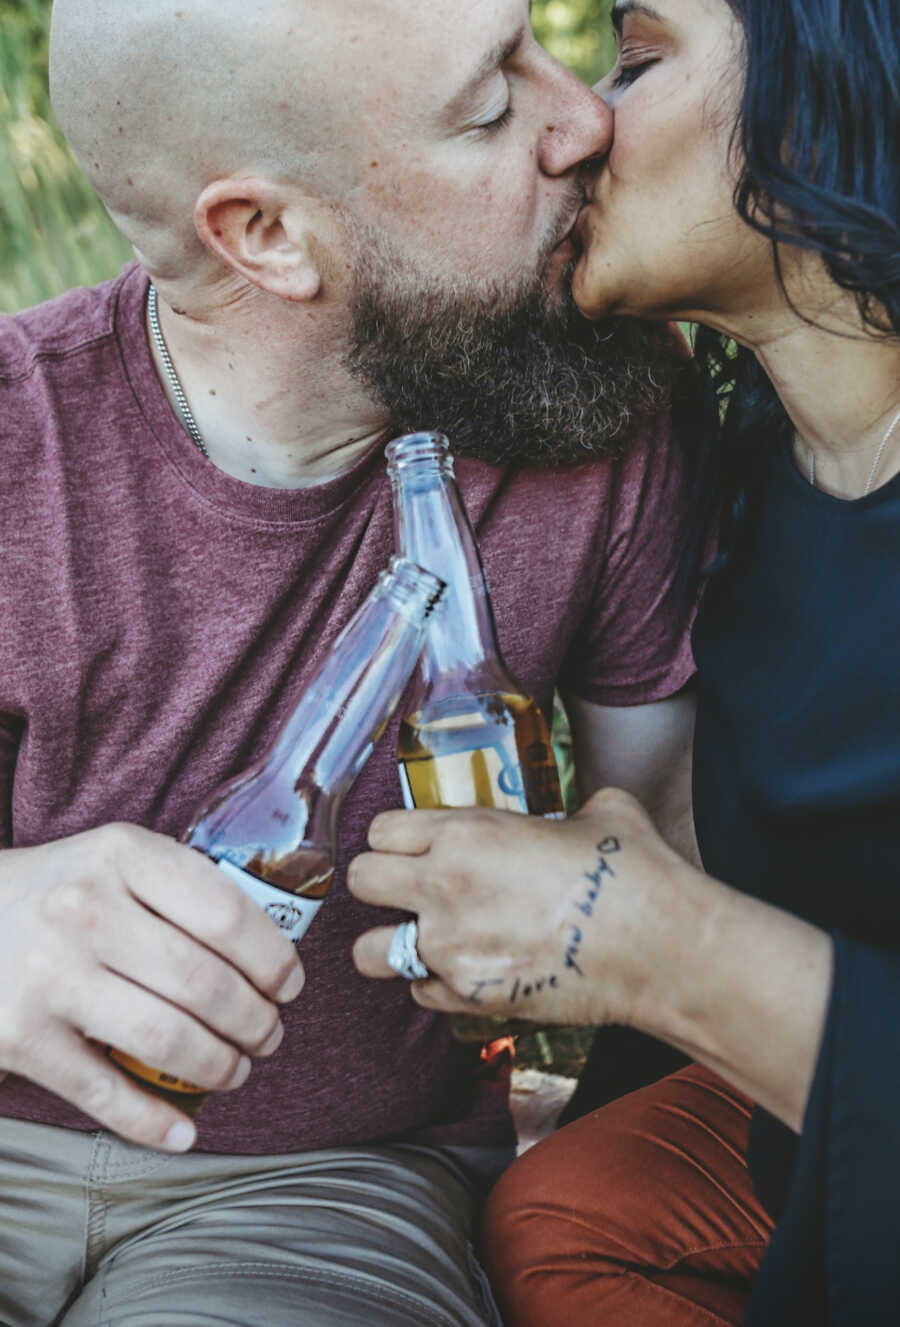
<point x="518" y="989"/>
<point x="586" y="903"/>
<point x="524" y="990"/>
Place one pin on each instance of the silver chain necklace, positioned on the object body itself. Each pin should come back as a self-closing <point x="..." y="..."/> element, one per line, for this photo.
<point x="874" y="468"/>
<point x="180" y="399"/>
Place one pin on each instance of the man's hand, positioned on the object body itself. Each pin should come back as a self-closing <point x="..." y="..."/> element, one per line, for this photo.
<point x="121" y="937"/>
<point x="519" y="915"/>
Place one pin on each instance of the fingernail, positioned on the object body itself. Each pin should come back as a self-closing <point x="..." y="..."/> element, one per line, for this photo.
<point x="292" y="987"/>
<point x="180" y="1137"/>
<point x="241" y="1073"/>
<point x="273" y="1041"/>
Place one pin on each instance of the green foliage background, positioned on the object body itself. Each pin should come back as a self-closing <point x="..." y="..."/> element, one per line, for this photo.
<point x="54" y="232"/>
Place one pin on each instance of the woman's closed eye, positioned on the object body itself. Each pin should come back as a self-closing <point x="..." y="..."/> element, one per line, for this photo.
<point x="626" y="74"/>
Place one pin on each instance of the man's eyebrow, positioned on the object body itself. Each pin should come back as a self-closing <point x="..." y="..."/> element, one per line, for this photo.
<point x="495" y="59"/>
<point x="624" y="7"/>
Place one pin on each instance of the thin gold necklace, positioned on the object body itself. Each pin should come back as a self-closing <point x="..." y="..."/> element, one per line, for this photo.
<point x="811" y="459"/>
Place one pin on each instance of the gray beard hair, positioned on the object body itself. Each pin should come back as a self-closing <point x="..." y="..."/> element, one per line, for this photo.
<point x="512" y="375"/>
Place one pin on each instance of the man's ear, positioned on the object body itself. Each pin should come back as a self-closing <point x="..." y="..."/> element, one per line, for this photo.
<point x="265" y="233"/>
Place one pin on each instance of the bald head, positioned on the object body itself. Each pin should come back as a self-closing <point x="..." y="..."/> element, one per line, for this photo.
<point x="160" y="97"/>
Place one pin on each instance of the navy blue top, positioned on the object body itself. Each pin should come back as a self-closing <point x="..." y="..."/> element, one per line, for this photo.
<point x="797" y="802"/>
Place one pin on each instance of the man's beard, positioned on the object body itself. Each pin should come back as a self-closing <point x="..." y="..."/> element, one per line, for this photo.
<point x="511" y="373"/>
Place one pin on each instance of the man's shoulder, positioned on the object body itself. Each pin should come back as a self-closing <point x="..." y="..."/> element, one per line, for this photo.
<point x="58" y="328"/>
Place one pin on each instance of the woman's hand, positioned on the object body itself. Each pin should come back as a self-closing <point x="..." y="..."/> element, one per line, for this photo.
<point x="519" y="915"/>
<point x="596" y="920"/>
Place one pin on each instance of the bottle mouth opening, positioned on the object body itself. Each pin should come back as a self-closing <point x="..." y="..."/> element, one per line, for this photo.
<point x="412" y="584"/>
<point x="413" y="448"/>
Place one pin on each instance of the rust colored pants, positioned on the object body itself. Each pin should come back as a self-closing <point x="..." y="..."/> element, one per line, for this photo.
<point x="641" y="1213"/>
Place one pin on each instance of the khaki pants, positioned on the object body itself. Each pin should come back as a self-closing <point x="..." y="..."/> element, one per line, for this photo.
<point x="95" y="1232"/>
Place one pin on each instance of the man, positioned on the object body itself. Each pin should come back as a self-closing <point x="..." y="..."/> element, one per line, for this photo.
<point x="354" y="221"/>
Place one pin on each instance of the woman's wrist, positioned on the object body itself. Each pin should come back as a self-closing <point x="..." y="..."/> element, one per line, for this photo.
<point x="739" y="985"/>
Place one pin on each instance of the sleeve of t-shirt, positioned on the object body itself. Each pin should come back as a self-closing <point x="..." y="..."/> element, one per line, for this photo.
<point x="833" y="1257"/>
<point x="633" y="645"/>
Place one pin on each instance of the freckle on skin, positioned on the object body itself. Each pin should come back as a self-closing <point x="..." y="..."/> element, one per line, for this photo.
<point x="373" y="164"/>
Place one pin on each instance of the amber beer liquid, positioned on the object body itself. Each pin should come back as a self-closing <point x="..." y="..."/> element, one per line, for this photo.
<point x="471" y="735"/>
<point x="272" y="829"/>
<point x="488" y="750"/>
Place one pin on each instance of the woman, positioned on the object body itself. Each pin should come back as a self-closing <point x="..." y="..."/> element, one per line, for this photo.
<point x="753" y="186"/>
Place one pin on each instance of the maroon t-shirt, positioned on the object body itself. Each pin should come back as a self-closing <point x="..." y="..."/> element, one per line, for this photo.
<point x="159" y="619"/>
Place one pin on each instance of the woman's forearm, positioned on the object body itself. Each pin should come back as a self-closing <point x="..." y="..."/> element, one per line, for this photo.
<point x="742" y="987"/>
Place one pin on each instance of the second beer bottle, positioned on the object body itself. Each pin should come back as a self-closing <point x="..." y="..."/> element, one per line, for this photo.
<point x="471" y="735"/>
<point x="272" y="828"/>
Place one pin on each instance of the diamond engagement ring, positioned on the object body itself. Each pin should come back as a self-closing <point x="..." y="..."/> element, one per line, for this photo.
<point x="403" y="956"/>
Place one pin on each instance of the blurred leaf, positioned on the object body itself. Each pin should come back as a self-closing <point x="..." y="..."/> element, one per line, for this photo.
<point x="54" y="231"/>
<point x="577" y="32"/>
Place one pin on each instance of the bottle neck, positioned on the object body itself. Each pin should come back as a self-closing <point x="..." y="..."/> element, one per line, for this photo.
<point x="330" y="735"/>
<point x="433" y="530"/>
<point x="290" y="798"/>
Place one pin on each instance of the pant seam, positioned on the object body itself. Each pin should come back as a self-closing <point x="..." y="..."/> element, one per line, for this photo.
<point x="384" y="1293"/>
<point x="706" y="1315"/>
<point x="714" y="1248"/>
<point x="96" y="1204"/>
<point x="635" y="1255"/>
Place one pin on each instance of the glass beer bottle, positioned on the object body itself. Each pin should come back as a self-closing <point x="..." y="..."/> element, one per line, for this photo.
<point x="271" y="829"/>
<point x="471" y="735"/>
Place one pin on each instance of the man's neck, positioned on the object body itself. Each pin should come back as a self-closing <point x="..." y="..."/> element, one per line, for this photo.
<point x="272" y="398"/>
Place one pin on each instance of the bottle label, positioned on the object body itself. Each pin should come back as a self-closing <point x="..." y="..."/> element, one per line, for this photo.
<point x="290" y="913"/>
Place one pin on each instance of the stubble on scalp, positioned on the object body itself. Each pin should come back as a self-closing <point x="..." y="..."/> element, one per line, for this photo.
<point x="509" y="371"/>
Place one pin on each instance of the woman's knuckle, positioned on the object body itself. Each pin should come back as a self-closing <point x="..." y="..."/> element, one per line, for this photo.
<point x="117" y="843"/>
<point x="71" y="903"/>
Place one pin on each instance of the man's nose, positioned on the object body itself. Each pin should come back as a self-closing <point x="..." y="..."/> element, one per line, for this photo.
<point x="582" y="129"/>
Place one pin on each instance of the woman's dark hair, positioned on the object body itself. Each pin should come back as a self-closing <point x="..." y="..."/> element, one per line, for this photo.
<point x="819" y="136"/>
